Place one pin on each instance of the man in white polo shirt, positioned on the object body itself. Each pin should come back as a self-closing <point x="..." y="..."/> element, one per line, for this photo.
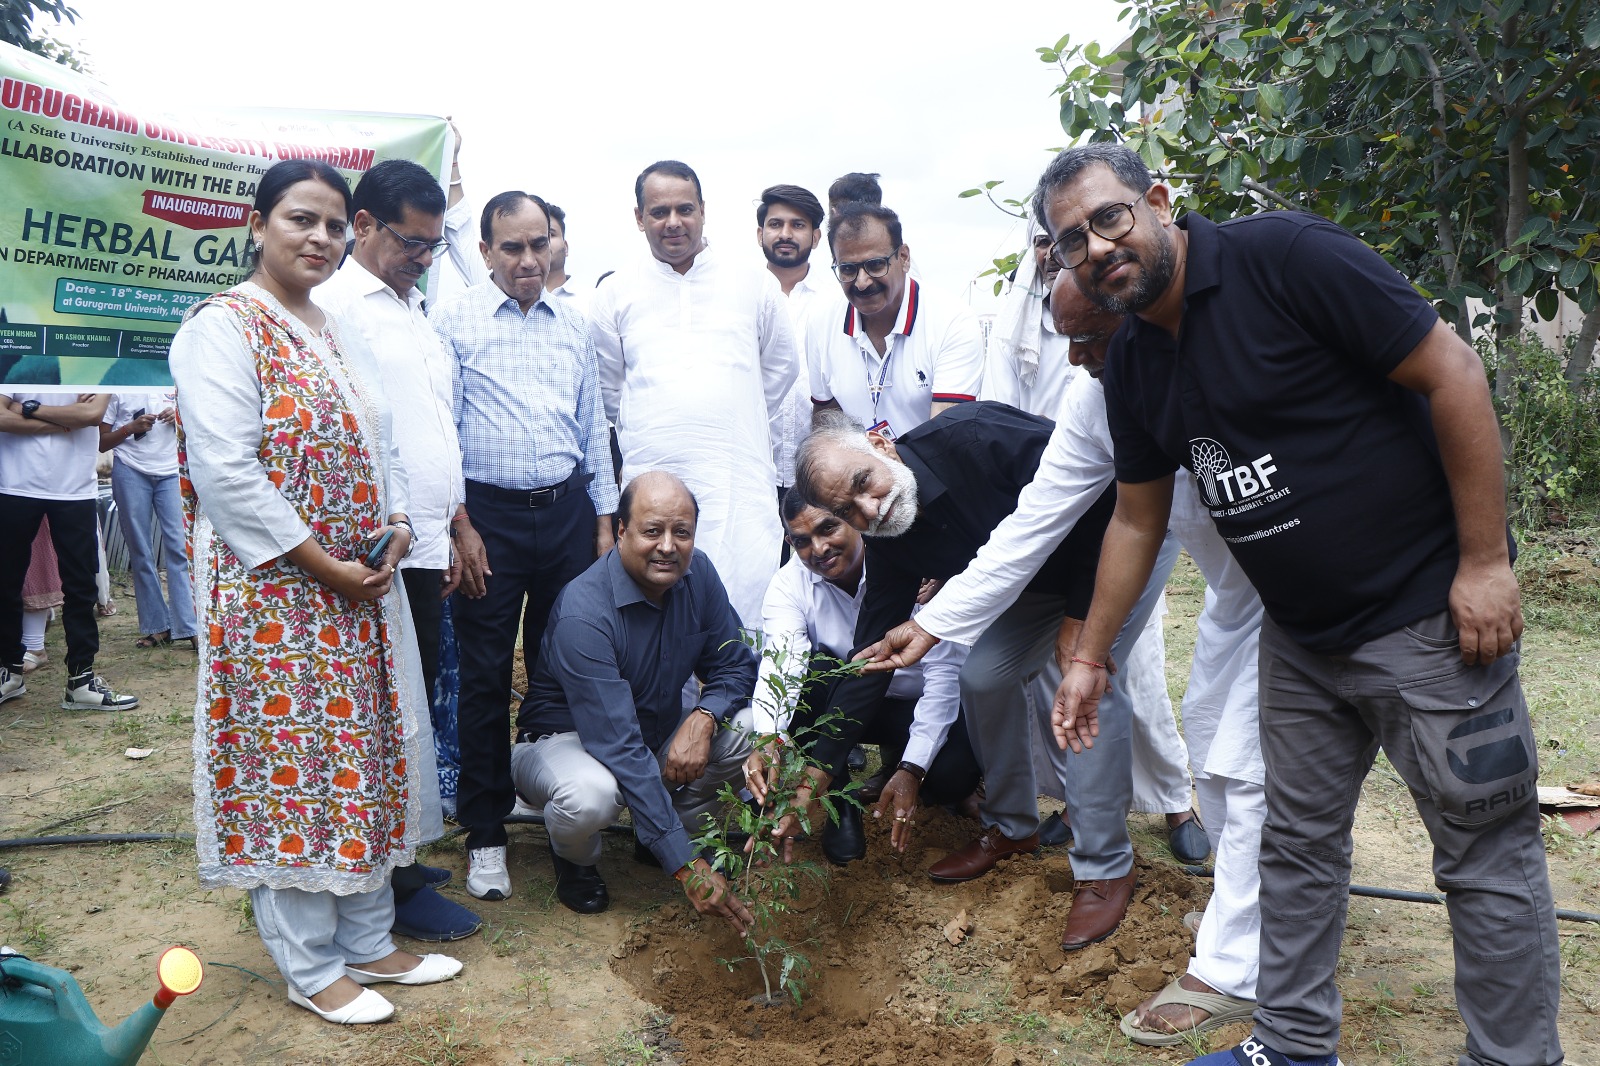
<point x="48" y="444"/>
<point x="810" y="610"/>
<point x="894" y="357"/>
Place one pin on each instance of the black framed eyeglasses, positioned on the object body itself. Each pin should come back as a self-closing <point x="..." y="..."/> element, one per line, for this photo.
<point x="414" y="248"/>
<point x="874" y="268"/>
<point x="1110" y="223"/>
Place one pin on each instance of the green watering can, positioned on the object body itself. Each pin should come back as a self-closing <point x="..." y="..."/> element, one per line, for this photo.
<point x="45" y="1021"/>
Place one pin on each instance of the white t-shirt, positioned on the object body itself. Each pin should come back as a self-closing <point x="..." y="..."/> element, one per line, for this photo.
<point x="157" y="454"/>
<point x="934" y="355"/>
<point x="50" y="466"/>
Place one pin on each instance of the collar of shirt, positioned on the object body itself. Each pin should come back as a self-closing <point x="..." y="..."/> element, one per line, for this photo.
<point x="929" y="487"/>
<point x="666" y="270"/>
<point x="360" y="280"/>
<point x="625" y="590"/>
<point x="488" y="299"/>
<point x="909" y="299"/>
<point x="818" y="280"/>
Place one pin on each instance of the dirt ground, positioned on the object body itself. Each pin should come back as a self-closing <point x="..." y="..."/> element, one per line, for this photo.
<point x="644" y="982"/>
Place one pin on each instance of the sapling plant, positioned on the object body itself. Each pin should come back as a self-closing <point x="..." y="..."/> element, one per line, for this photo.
<point x="740" y="844"/>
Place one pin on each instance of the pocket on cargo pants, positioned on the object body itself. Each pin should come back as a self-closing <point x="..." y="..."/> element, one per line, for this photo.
<point x="1473" y="739"/>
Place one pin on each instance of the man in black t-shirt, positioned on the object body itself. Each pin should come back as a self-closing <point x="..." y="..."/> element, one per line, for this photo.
<point x="1343" y="440"/>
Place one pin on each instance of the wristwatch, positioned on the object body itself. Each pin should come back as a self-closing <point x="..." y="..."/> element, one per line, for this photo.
<point x="30" y="408"/>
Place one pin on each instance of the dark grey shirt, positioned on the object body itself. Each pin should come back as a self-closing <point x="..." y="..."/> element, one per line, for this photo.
<point x="613" y="666"/>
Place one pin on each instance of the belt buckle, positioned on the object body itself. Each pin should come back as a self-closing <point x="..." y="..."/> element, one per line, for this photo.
<point x="541" y="497"/>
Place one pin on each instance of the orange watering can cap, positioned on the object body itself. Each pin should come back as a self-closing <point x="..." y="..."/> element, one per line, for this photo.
<point x="179" y="971"/>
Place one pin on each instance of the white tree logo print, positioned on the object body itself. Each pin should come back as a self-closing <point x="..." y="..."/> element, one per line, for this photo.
<point x="1208" y="459"/>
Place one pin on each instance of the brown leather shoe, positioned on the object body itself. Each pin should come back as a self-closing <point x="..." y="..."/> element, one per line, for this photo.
<point x="871" y="789"/>
<point x="1097" y="910"/>
<point x="980" y="856"/>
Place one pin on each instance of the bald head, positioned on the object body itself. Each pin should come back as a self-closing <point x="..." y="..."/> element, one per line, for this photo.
<point x="1084" y="323"/>
<point x="656" y="517"/>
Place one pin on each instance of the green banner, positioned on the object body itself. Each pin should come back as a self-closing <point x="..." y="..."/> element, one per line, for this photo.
<point x="115" y="220"/>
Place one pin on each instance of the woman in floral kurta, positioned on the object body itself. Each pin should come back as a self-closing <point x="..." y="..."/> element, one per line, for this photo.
<point x="304" y="790"/>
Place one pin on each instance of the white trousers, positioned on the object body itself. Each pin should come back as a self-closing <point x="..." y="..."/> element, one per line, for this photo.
<point x="311" y="936"/>
<point x="1227" y="951"/>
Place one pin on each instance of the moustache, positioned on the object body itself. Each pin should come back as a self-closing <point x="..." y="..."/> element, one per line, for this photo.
<point x="1111" y="262"/>
<point x="865" y="294"/>
<point x="791" y="245"/>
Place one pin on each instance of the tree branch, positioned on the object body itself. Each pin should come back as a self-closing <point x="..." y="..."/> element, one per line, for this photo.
<point x="1579" y="62"/>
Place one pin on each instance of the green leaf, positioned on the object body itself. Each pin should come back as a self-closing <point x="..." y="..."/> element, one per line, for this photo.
<point x="1356" y="48"/>
<point x="1571" y="275"/>
<point x="1068" y="115"/>
<point x="969" y="192"/>
<point x="1591" y="32"/>
<point x="1269" y="101"/>
<point x="1316" y="164"/>
<point x="1294" y="148"/>
<point x="1348" y="151"/>
<point x="1547" y="302"/>
<point x="1383" y="63"/>
<point x="1231" y="176"/>
<point x="1327" y="65"/>
<point x="1150" y="151"/>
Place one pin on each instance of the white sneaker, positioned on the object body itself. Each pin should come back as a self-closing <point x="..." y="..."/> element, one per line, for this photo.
<point x="521" y="808"/>
<point x="11" y="685"/>
<point x="89" y="692"/>
<point x="486" y="874"/>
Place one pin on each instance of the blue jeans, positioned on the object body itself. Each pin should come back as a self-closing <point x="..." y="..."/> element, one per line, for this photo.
<point x="138" y="496"/>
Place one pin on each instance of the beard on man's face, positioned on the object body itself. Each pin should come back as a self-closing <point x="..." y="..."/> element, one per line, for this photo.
<point x="1152" y="281"/>
<point x="898" y="512"/>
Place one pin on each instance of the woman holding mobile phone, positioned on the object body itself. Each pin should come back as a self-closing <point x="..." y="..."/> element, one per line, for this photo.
<point x="307" y="762"/>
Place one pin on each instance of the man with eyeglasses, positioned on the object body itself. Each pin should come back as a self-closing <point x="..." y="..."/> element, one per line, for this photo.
<point x="1028" y="366"/>
<point x="536" y="462"/>
<point x="400" y="225"/>
<point x="895" y="356"/>
<point x="1343" y="440"/>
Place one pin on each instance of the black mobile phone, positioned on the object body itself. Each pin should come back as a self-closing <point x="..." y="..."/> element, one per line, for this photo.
<point x="375" y="556"/>
<point x="137" y="415"/>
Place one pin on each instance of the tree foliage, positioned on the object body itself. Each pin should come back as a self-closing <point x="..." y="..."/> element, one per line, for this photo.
<point x="1460" y="138"/>
<point x="16" y="27"/>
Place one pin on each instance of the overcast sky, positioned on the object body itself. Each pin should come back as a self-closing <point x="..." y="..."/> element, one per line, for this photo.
<point x="572" y="100"/>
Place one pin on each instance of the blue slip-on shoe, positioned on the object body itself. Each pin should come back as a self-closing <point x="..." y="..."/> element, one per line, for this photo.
<point x="432" y="917"/>
<point x="1189" y="842"/>
<point x="1254" y="1053"/>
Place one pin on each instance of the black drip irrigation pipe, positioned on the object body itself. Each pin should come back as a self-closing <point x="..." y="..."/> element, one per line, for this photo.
<point x="1407" y="896"/>
<point x="149" y="838"/>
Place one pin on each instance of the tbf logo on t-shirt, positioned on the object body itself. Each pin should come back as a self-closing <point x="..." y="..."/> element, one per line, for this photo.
<point x="1225" y="485"/>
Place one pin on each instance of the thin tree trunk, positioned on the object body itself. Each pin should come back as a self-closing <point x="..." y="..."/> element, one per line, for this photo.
<point x="1509" y="315"/>
<point x="1448" y="253"/>
<point x="1582" y="357"/>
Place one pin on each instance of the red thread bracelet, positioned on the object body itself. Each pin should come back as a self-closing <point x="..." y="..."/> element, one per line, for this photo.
<point x="1089" y="662"/>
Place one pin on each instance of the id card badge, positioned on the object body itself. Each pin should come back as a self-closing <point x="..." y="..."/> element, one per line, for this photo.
<point x="881" y="427"/>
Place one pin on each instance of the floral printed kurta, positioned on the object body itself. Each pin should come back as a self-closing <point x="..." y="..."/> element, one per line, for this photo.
<point x="302" y="780"/>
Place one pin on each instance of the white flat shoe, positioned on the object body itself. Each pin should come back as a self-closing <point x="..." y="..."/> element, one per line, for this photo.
<point x="431" y="970"/>
<point x="366" y="1008"/>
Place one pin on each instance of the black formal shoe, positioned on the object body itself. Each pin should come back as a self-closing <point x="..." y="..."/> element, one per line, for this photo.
<point x="1188" y="841"/>
<point x="846" y="841"/>
<point x="1054" y="832"/>
<point x="579" y="888"/>
<point x="857" y="759"/>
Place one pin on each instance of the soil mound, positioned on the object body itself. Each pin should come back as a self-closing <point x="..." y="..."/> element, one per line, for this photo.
<point x="886" y="984"/>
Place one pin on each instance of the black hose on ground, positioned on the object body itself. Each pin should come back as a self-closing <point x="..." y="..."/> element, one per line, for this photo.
<point x="1407" y="896"/>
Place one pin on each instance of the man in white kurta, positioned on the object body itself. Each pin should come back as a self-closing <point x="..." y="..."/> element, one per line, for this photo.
<point x="1219" y="709"/>
<point x="696" y="356"/>
<point x="1027" y="366"/>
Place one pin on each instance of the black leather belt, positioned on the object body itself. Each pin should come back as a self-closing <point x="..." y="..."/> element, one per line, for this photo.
<point x="534" y="498"/>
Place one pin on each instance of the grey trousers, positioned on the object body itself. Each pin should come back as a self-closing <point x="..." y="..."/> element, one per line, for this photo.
<point x="312" y="935"/>
<point x="1459" y="737"/>
<point x="579" y="797"/>
<point x="1099" y="782"/>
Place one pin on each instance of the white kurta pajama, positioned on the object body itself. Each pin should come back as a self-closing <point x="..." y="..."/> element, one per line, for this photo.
<point x="694" y="369"/>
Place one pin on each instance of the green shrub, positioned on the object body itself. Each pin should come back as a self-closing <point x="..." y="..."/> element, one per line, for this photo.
<point x="1552" y="435"/>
